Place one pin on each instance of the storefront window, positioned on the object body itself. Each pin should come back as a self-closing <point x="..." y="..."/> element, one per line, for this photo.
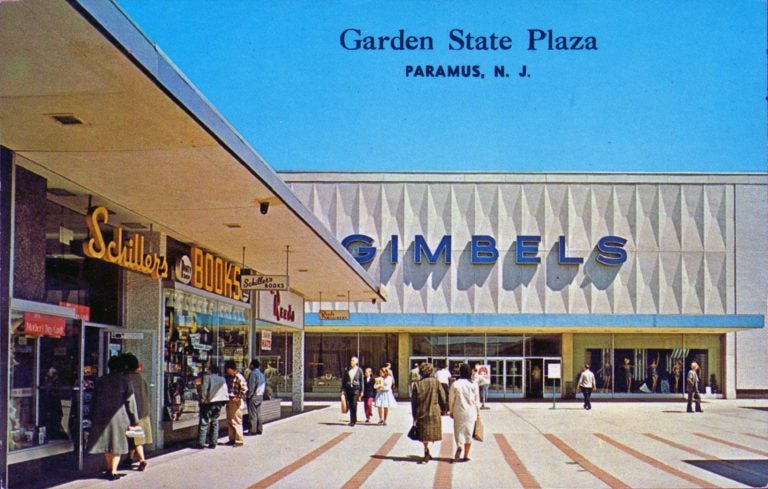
<point x="277" y="363"/>
<point x="504" y="346"/>
<point x="648" y="364"/>
<point x="44" y="353"/>
<point x="199" y="331"/>
<point x="328" y="357"/>
<point x="466" y="346"/>
<point x="429" y="345"/>
<point x="541" y="345"/>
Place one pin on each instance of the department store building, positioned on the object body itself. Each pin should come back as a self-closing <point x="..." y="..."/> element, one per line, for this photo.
<point x="537" y="274"/>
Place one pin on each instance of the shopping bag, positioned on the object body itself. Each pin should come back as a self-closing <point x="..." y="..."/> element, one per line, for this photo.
<point x="479" y="432"/>
<point x="344" y="407"/>
<point x="413" y="433"/>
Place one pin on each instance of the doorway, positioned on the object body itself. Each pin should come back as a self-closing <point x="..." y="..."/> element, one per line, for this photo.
<point x="99" y="344"/>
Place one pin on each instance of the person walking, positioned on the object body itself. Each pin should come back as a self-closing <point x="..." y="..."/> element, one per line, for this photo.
<point x="428" y="401"/>
<point x="464" y="403"/>
<point x="214" y="395"/>
<point x="444" y="377"/>
<point x="414" y="375"/>
<point x="385" y="400"/>
<point x="369" y="394"/>
<point x="238" y="388"/>
<point x="352" y="387"/>
<point x="692" y="387"/>
<point x="257" y="384"/>
<point x="114" y="412"/>
<point x="141" y="391"/>
<point x="586" y="384"/>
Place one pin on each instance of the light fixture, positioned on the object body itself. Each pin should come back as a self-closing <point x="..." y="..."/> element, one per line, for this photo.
<point x="66" y="119"/>
<point x="233" y="225"/>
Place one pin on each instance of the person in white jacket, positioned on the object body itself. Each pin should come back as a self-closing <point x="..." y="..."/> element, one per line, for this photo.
<point x="463" y="403"/>
<point x="586" y="384"/>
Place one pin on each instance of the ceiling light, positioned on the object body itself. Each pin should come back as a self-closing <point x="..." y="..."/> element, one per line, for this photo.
<point x="66" y="119"/>
<point x="233" y="225"/>
<point x="60" y="192"/>
<point x="303" y="270"/>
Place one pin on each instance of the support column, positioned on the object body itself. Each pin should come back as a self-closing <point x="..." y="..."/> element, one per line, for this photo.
<point x="143" y="309"/>
<point x="729" y="367"/>
<point x="403" y="365"/>
<point x="297" y="397"/>
<point x="6" y="193"/>
<point x="567" y="383"/>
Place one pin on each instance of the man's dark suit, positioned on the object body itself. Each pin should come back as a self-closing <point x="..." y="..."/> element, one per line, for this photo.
<point x="352" y="387"/>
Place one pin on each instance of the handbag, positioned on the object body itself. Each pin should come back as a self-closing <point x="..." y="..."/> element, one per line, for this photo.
<point x="344" y="407"/>
<point x="479" y="432"/>
<point x="413" y="433"/>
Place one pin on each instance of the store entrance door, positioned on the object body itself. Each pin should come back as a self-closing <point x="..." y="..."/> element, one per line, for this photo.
<point x="100" y="343"/>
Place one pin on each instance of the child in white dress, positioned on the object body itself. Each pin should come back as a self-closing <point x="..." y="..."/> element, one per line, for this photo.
<point x="385" y="399"/>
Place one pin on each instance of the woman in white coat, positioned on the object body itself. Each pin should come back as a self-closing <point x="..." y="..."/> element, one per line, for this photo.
<point x="463" y="402"/>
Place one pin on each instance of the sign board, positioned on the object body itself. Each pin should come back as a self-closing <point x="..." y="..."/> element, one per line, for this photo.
<point x="281" y="307"/>
<point x="334" y="314"/>
<point x="484" y="374"/>
<point x="264" y="282"/>
<point x="266" y="340"/>
<point x="81" y="312"/>
<point x="44" y="325"/>
<point x="127" y="335"/>
<point x="553" y="370"/>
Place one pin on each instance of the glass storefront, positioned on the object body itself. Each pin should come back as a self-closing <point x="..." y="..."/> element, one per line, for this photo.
<point x="640" y="365"/>
<point x="519" y="364"/>
<point x="327" y="357"/>
<point x="200" y="330"/>
<point x="277" y="364"/>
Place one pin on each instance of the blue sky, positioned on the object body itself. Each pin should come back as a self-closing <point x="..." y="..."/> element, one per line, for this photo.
<point x="672" y="86"/>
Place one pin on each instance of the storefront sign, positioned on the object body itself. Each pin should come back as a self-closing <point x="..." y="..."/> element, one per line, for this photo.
<point x="127" y="335"/>
<point x="206" y="271"/>
<point x="483" y="251"/>
<point x="266" y="340"/>
<point x="281" y="307"/>
<point x="82" y="313"/>
<point x="264" y="282"/>
<point x="44" y="325"/>
<point x="334" y="314"/>
<point x="553" y="370"/>
<point x="128" y="254"/>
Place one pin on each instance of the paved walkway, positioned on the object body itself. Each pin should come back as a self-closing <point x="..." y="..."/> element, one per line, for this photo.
<point x="616" y="445"/>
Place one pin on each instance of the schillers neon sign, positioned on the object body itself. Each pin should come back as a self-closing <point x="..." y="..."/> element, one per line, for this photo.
<point x="609" y="250"/>
<point x="127" y="254"/>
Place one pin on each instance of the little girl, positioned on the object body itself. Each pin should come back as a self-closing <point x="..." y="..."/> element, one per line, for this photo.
<point x="384" y="397"/>
<point x="368" y="394"/>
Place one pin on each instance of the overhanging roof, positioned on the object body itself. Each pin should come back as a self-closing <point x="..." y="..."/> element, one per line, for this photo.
<point x="151" y="146"/>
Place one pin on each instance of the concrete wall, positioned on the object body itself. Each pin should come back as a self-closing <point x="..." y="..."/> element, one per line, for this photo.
<point x="751" y="284"/>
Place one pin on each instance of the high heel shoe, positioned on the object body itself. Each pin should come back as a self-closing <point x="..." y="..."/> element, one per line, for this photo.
<point x="427" y="455"/>
<point x="457" y="455"/>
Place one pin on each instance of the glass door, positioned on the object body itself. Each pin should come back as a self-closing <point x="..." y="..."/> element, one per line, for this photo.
<point x="534" y="376"/>
<point x="100" y="343"/>
<point x="514" y="385"/>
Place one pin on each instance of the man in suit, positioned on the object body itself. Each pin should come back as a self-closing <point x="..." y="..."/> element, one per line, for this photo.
<point x="213" y="396"/>
<point x="256" y="385"/>
<point x="352" y="387"/>
<point x="692" y="386"/>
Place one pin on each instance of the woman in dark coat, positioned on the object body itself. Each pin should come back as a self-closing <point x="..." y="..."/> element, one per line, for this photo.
<point x="428" y="402"/>
<point x="114" y="411"/>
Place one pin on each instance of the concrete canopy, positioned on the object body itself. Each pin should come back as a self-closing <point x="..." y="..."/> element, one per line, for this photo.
<point x="150" y="147"/>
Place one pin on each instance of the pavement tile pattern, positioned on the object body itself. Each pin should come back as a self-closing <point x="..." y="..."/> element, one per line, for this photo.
<point x="527" y="445"/>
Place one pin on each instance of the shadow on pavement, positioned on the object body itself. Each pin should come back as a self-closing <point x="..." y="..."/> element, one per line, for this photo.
<point x="753" y="473"/>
